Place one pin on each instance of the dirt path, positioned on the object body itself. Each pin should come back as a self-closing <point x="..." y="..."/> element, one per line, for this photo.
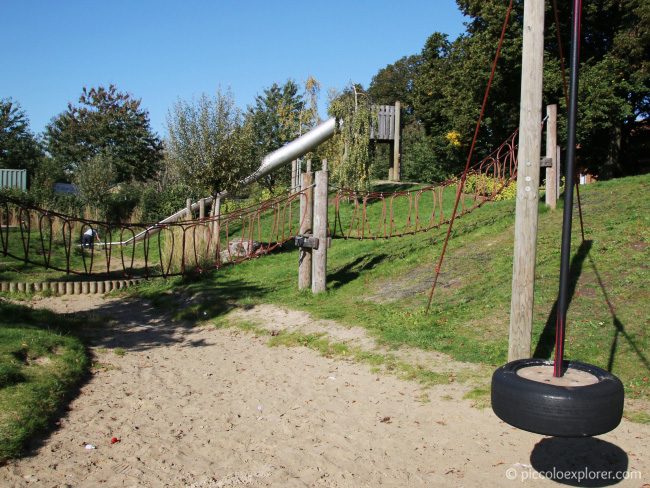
<point x="207" y="407"/>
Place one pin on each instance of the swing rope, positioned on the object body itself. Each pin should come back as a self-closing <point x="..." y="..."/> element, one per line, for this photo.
<point x="459" y="191"/>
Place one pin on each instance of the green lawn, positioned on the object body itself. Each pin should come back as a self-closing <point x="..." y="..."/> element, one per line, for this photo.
<point x="41" y="364"/>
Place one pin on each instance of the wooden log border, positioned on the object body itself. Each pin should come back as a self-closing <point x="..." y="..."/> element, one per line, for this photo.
<point x="68" y="287"/>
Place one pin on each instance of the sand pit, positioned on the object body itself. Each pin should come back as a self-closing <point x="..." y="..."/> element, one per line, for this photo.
<point x="207" y="407"/>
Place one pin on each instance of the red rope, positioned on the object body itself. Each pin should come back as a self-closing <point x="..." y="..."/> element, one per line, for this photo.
<point x="471" y="152"/>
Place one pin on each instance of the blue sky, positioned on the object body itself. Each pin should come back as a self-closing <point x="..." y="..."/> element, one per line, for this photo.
<point x="161" y="50"/>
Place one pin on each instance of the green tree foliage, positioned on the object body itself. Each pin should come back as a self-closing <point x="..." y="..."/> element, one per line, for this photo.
<point x="19" y="149"/>
<point x="445" y="84"/>
<point x="278" y="116"/>
<point x="210" y="144"/>
<point x="109" y="123"/>
<point x="355" y="117"/>
<point x="94" y="178"/>
<point x="395" y="83"/>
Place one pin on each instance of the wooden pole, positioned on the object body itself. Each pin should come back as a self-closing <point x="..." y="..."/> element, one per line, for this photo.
<point x="294" y="170"/>
<point x="319" y="256"/>
<point x="558" y="172"/>
<point x="530" y="141"/>
<point x="188" y="210"/>
<point x="551" y="152"/>
<point x="216" y="228"/>
<point x="306" y="220"/>
<point x="396" y="144"/>
<point x="202" y="208"/>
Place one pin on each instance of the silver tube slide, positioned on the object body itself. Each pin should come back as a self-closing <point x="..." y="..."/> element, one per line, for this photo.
<point x="287" y="153"/>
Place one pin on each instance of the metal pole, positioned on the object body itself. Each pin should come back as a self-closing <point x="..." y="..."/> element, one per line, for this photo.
<point x="560" y="324"/>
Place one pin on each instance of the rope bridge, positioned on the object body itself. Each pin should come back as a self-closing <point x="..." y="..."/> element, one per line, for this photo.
<point x="372" y="215"/>
<point x="52" y="240"/>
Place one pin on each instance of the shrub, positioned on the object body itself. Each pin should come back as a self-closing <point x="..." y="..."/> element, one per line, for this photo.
<point x="487" y="186"/>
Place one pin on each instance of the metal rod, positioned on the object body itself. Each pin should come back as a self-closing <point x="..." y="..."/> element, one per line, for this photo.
<point x="560" y="324"/>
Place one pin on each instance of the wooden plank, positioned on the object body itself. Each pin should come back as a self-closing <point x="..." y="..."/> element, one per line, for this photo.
<point x="530" y="141"/>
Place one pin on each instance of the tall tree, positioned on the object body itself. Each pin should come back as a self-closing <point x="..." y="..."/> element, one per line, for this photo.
<point x="395" y="83"/>
<point x="19" y="149"/>
<point x="210" y="144"/>
<point x="279" y="115"/>
<point x="105" y="122"/>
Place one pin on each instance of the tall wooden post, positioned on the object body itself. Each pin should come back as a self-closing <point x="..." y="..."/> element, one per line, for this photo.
<point x="396" y="144"/>
<point x="216" y="228"/>
<point x="294" y="170"/>
<point x="306" y="219"/>
<point x="530" y="141"/>
<point x="319" y="256"/>
<point x="551" y="152"/>
<point x="202" y="208"/>
<point x="188" y="209"/>
<point x="558" y="171"/>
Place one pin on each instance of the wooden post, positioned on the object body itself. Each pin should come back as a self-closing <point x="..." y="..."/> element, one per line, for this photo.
<point x="188" y="210"/>
<point x="396" y="144"/>
<point x="530" y="141"/>
<point x="551" y="152"/>
<point x="558" y="171"/>
<point x="306" y="219"/>
<point x="216" y="227"/>
<point x="319" y="256"/>
<point x="202" y="208"/>
<point x="294" y="170"/>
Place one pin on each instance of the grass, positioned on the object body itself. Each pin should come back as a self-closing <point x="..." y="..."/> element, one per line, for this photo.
<point x="382" y="284"/>
<point x="41" y="364"/>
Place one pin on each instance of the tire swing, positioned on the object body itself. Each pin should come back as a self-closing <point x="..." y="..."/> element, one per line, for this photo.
<point x="560" y="398"/>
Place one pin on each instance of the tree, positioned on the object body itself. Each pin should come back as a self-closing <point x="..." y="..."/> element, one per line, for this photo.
<point x="210" y="144"/>
<point x="614" y="98"/>
<point x="19" y="149"/>
<point x="395" y="83"/>
<point x="280" y="115"/>
<point x="355" y="117"/>
<point x="110" y="123"/>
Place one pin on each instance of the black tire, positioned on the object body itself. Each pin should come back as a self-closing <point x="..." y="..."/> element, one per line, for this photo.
<point x="562" y="411"/>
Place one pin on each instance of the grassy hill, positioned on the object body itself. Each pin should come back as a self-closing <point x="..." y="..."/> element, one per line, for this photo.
<point x="382" y="285"/>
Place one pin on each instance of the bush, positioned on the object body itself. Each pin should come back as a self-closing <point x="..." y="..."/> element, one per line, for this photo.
<point x="487" y="186"/>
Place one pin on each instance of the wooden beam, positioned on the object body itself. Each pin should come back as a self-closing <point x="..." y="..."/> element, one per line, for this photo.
<point x="530" y="141"/>
<point x="551" y="152"/>
<point x="319" y="256"/>
<point x="396" y="144"/>
<point x="306" y="220"/>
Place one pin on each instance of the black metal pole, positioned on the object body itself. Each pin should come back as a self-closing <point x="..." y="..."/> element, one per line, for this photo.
<point x="560" y="324"/>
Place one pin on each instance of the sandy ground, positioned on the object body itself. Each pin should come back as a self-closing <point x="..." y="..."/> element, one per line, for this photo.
<point x="207" y="407"/>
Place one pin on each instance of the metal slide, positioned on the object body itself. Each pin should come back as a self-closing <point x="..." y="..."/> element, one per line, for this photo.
<point x="291" y="151"/>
